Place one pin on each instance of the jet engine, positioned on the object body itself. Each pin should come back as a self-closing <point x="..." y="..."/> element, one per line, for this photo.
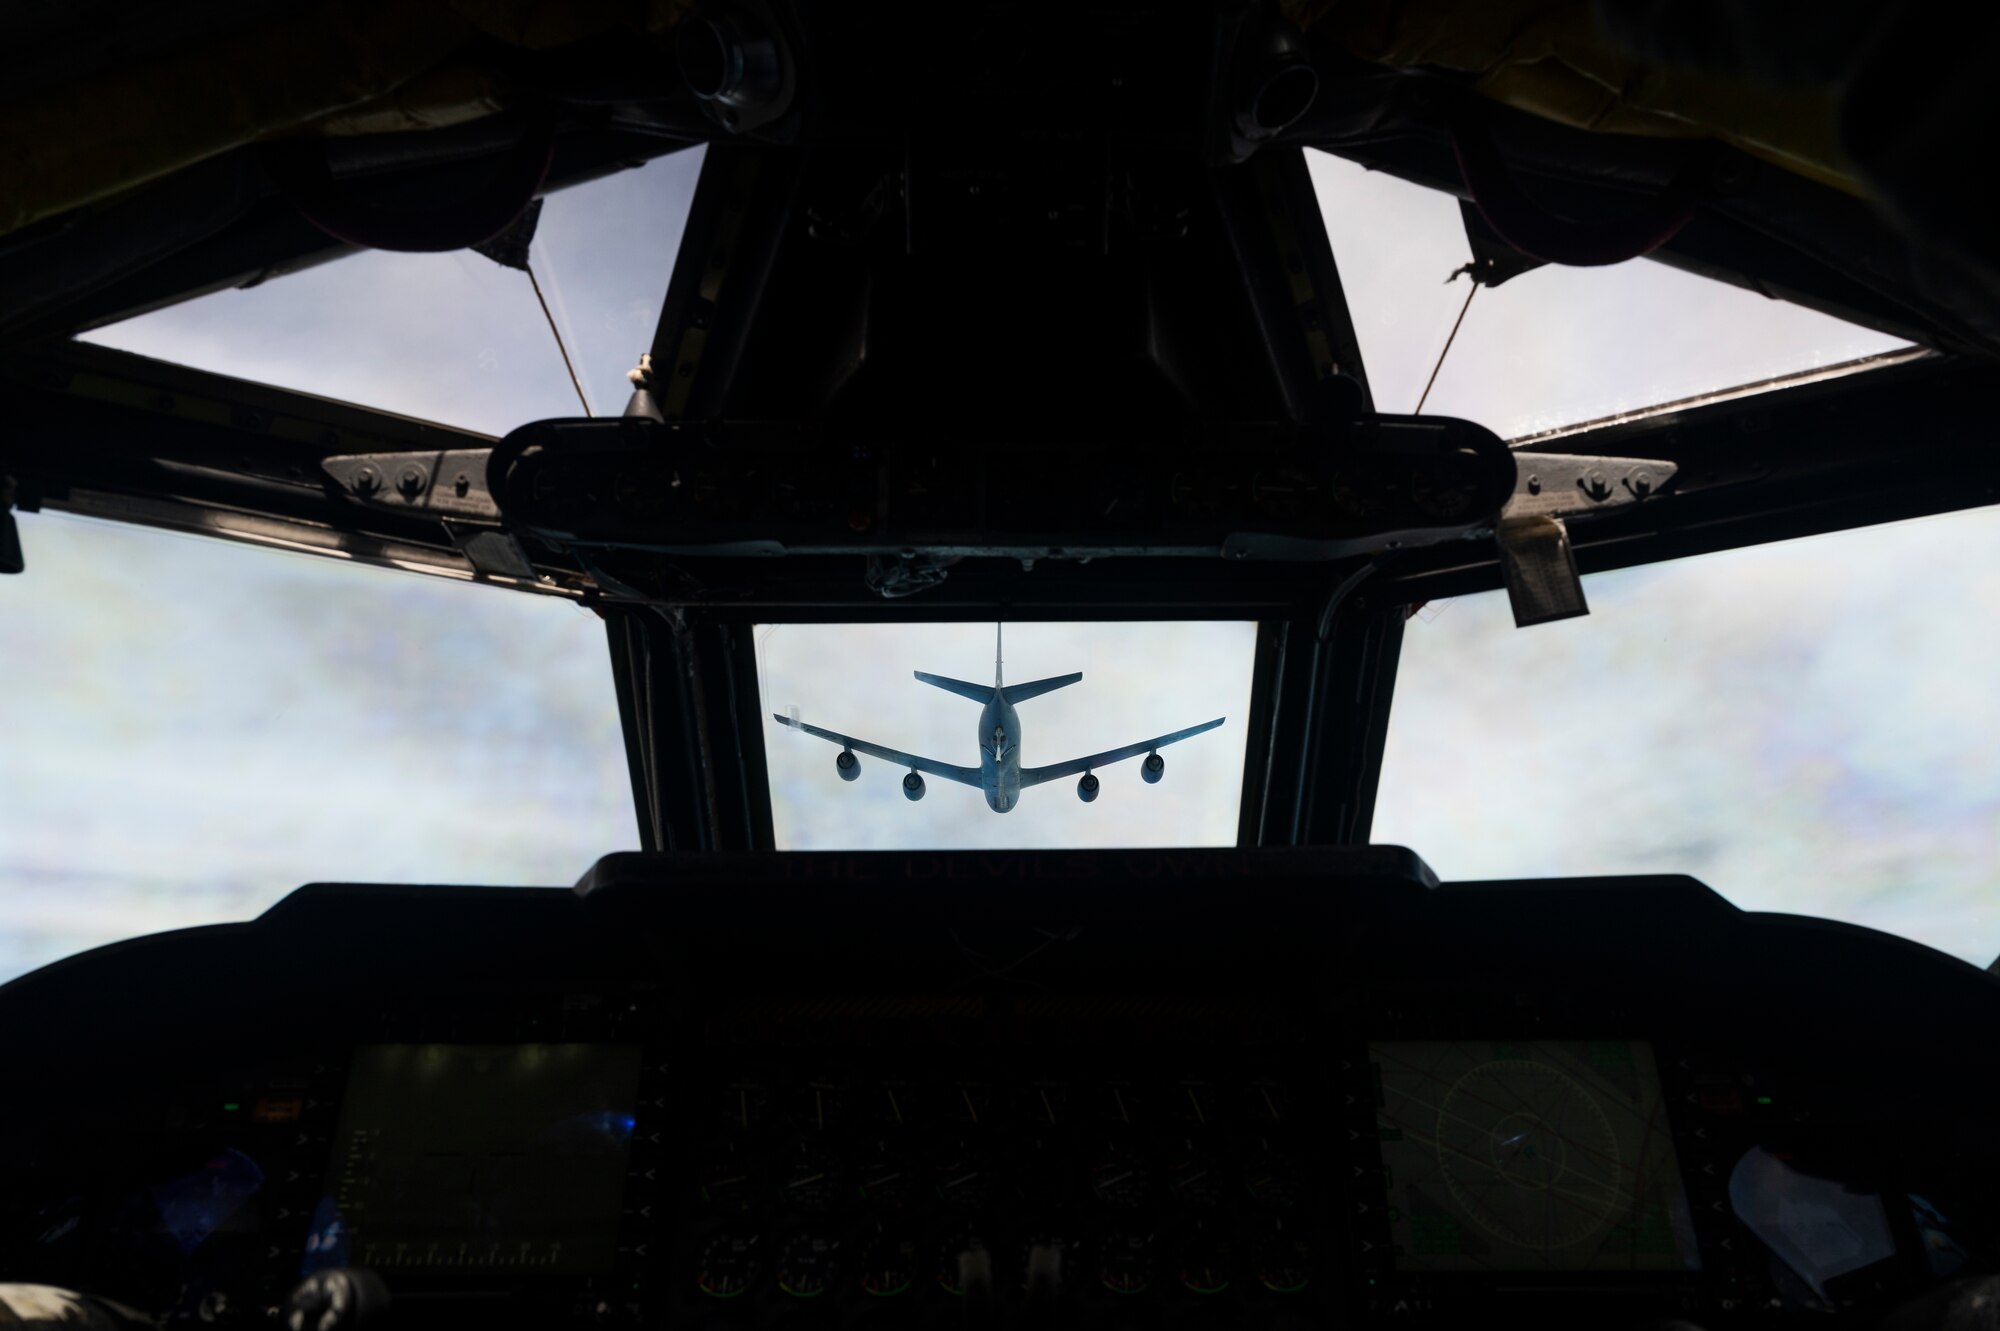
<point x="1152" y="769"/>
<point x="913" y="787"/>
<point x="1086" y="787"/>
<point x="849" y="766"/>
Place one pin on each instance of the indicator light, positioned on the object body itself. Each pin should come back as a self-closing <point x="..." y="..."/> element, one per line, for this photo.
<point x="1763" y="1099"/>
<point x="231" y="1107"/>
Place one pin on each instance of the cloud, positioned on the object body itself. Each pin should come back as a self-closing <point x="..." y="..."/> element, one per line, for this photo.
<point x="194" y="728"/>
<point x="1799" y="724"/>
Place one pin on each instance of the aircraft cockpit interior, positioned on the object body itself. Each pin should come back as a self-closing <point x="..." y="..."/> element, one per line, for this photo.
<point x="1484" y="810"/>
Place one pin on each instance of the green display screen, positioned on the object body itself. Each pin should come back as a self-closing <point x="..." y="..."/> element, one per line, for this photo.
<point x="491" y="1156"/>
<point x="1529" y="1155"/>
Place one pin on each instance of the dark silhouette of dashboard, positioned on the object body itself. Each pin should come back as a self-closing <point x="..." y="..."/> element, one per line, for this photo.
<point x="1107" y="1089"/>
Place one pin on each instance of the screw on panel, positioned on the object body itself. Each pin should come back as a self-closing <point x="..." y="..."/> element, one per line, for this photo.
<point x="411" y="482"/>
<point x="367" y="481"/>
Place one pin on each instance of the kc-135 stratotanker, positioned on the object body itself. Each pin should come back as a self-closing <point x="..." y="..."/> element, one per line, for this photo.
<point x="1000" y="773"/>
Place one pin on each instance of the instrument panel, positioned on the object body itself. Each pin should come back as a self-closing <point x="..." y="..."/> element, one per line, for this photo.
<point x="1015" y="1174"/>
<point x="1165" y="1090"/>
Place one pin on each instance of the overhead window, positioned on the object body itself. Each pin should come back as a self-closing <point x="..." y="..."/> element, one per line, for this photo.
<point x="1555" y="346"/>
<point x="1140" y="681"/>
<point x="455" y="338"/>
<point x="1806" y="727"/>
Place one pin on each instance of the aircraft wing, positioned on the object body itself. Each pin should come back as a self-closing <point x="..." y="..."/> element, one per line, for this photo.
<point x="1034" y="776"/>
<point x="967" y="775"/>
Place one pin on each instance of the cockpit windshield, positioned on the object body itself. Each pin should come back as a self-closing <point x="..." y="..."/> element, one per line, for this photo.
<point x="1805" y="726"/>
<point x="463" y="340"/>
<point x="1139" y="681"/>
<point x="194" y="728"/>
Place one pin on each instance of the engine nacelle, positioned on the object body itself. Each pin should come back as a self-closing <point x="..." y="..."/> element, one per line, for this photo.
<point x="849" y="766"/>
<point x="913" y="787"/>
<point x="1086" y="787"/>
<point x="1153" y="768"/>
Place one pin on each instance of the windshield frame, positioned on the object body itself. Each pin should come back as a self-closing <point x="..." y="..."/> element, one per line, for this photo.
<point x="1905" y="439"/>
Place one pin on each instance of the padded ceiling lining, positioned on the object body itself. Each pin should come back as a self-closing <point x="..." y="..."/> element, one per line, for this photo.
<point x="1551" y="58"/>
<point x="326" y="67"/>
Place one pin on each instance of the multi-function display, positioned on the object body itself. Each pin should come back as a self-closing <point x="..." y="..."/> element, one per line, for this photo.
<point x="1529" y="1155"/>
<point x="484" y="1156"/>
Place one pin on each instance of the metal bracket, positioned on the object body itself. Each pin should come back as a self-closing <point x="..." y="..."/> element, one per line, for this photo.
<point x="1573" y="484"/>
<point x="1535" y="555"/>
<point x="450" y="484"/>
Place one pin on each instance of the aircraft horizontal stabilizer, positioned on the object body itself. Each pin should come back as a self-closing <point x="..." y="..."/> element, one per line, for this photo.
<point x="1036" y="688"/>
<point x="963" y="688"/>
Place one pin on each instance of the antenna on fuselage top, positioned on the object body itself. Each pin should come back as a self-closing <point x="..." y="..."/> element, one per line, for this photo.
<point x="996" y="654"/>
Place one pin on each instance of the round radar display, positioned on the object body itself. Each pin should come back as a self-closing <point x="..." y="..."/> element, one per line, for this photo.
<point x="1529" y="1154"/>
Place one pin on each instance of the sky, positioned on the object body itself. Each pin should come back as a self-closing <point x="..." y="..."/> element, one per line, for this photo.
<point x="455" y="338"/>
<point x="1554" y="346"/>
<point x="172" y="682"/>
